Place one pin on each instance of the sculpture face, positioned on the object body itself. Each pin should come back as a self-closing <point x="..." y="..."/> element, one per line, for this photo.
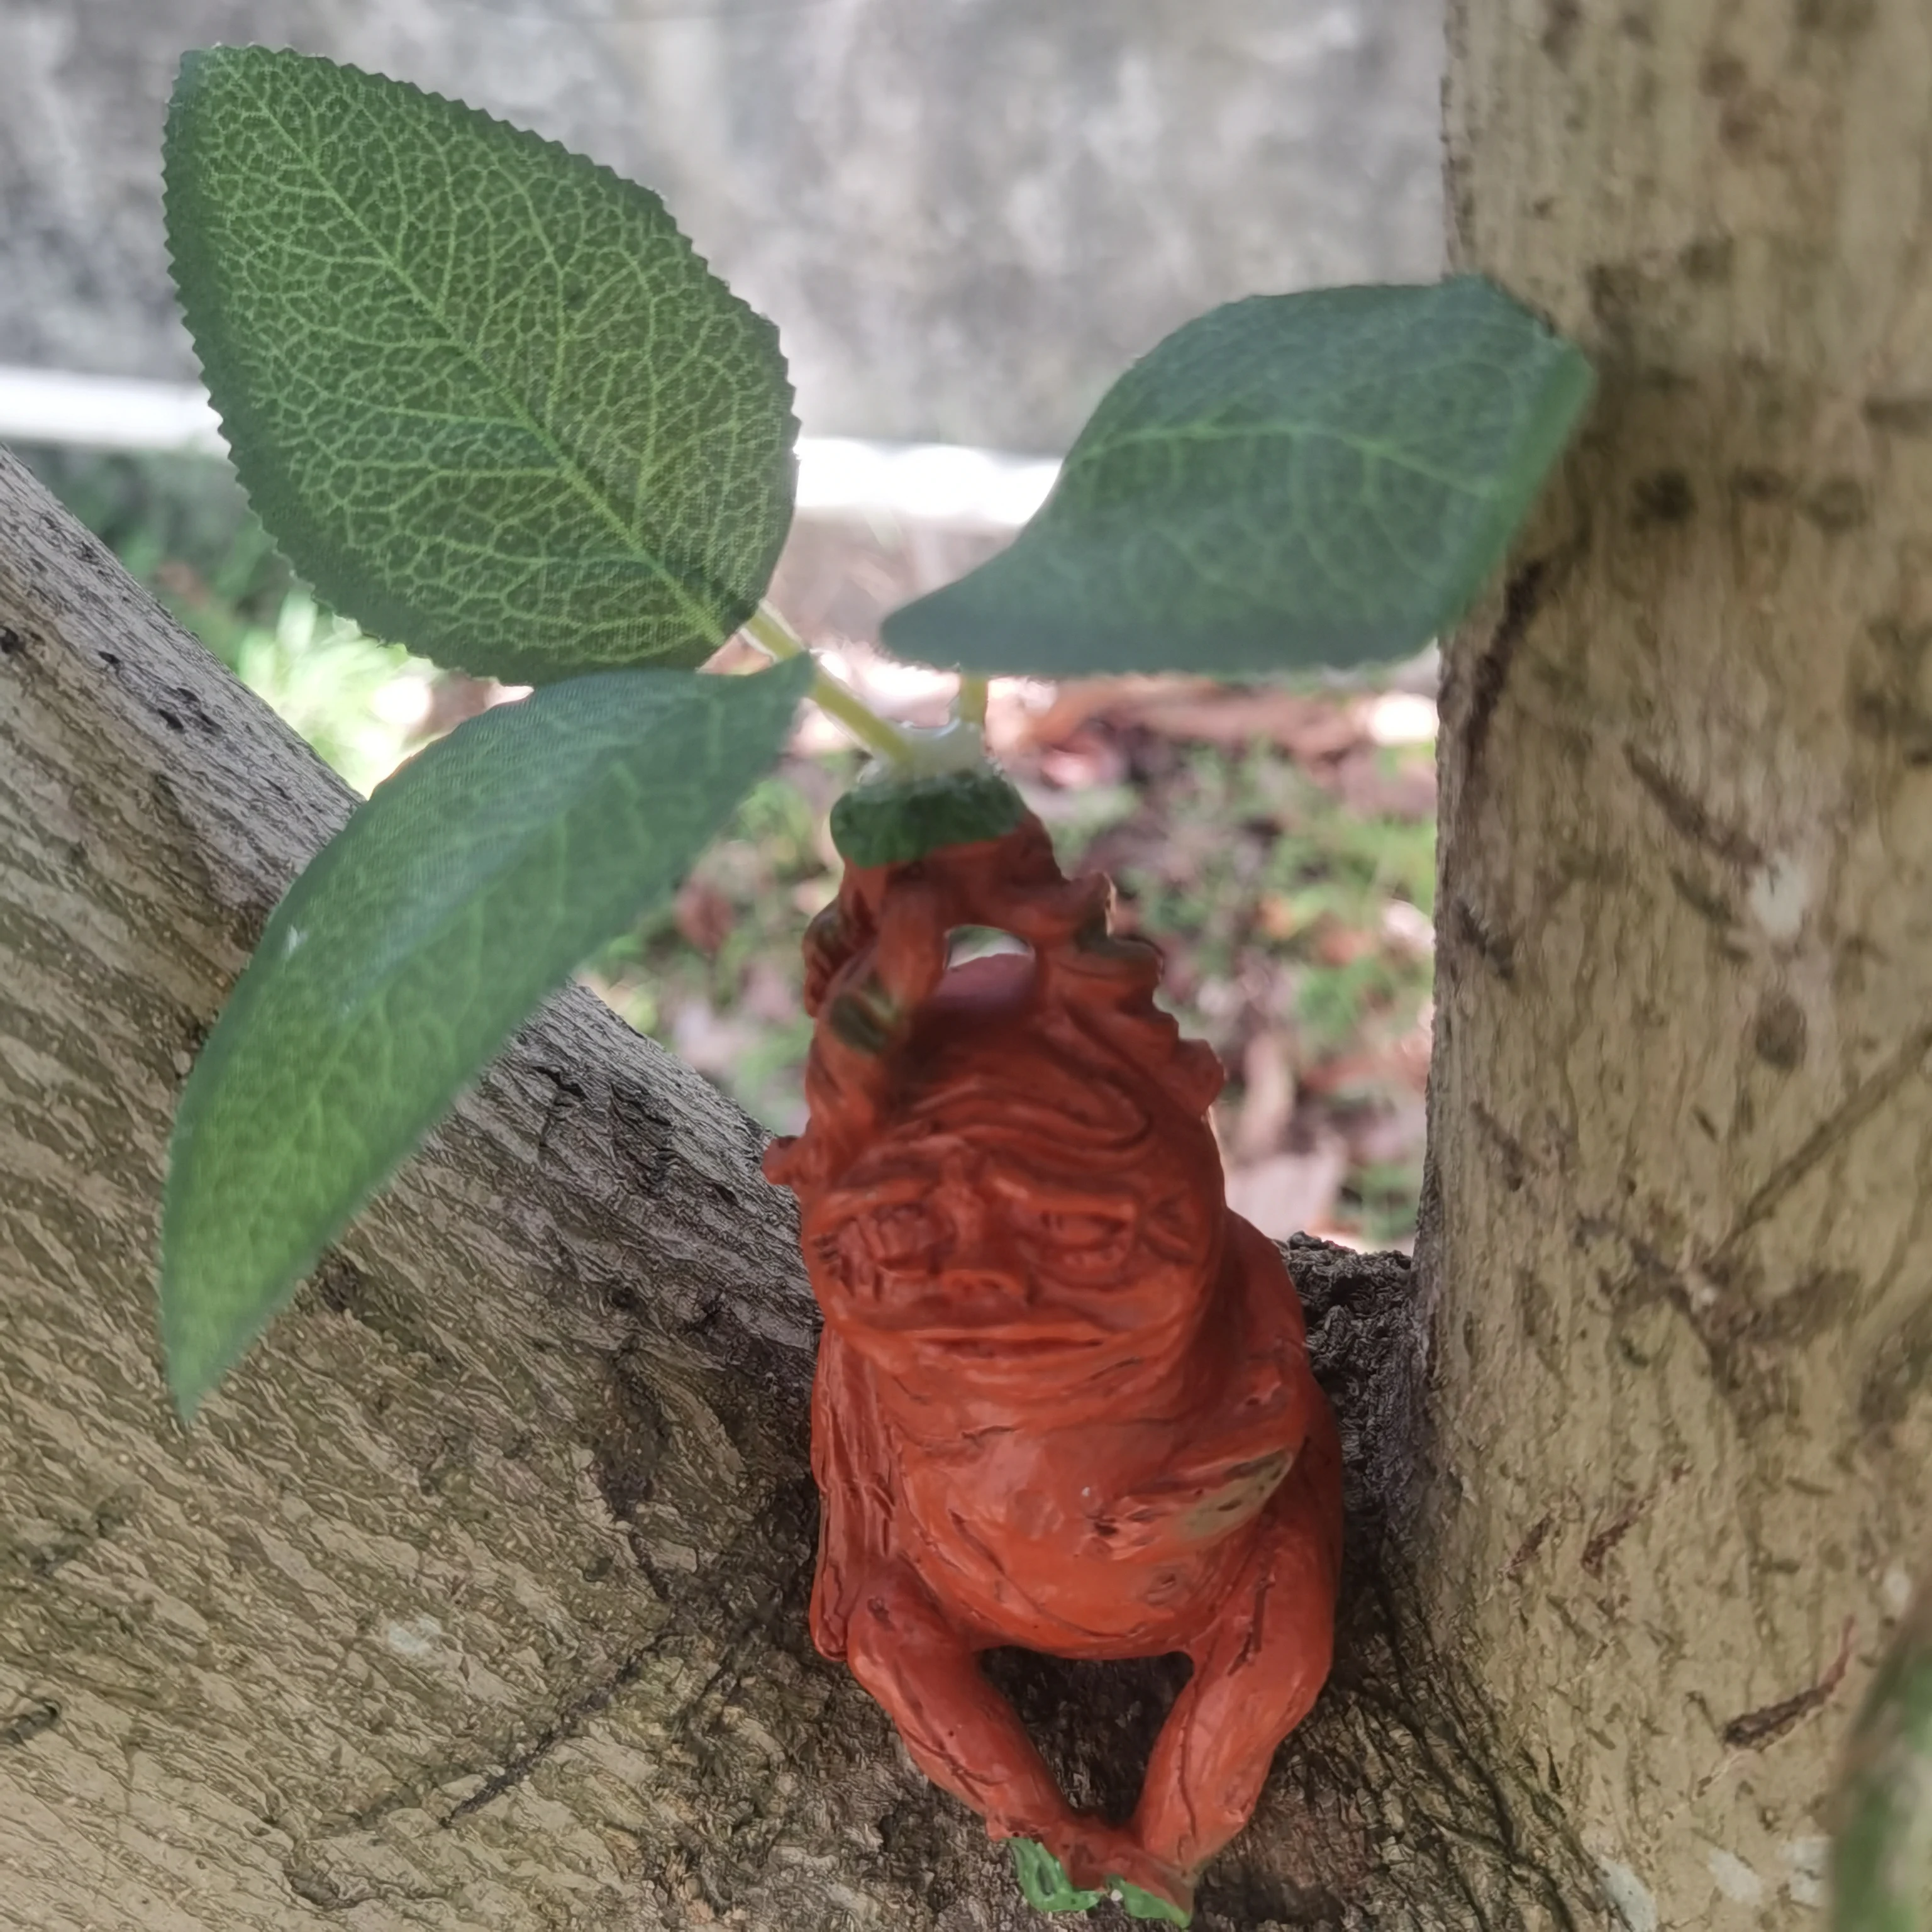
<point x="1033" y="1211"/>
<point x="1063" y="1397"/>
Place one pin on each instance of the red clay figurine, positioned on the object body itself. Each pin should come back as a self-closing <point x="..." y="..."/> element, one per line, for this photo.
<point x="1063" y="1399"/>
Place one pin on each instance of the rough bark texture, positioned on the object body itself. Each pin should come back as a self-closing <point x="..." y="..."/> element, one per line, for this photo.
<point x="477" y="1597"/>
<point x="1682" y="1104"/>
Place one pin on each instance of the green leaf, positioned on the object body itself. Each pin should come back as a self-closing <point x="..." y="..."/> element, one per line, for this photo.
<point x="481" y="389"/>
<point x="1288" y="481"/>
<point x="461" y="893"/>
<point x="1881" y="1862"/>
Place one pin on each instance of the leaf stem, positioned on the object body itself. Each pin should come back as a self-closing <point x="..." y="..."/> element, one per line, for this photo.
<point x="769" y="631"/>
<point x="969" y="706"/>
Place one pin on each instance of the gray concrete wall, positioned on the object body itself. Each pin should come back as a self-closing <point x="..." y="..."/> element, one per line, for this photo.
<point x="966" y="216"/>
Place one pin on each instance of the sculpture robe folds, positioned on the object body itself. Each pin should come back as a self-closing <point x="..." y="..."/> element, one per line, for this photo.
<point x="1062" y="1398"/>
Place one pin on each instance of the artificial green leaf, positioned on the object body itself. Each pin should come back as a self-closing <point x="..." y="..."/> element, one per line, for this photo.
<point x="1882" y="1860"/>
<point x="462" y="893"/>
<point x="890" y="820"/>
<point x="481" y="390"/>
<point x="1288" y="481"/>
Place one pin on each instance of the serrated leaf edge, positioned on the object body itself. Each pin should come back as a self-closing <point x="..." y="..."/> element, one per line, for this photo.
<point x="269" y="484"/>
<point x="188" y="1395"/>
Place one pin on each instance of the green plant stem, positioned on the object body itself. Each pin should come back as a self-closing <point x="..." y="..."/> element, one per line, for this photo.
<point x="969" y="706"/>
<point x="777" y="639"/>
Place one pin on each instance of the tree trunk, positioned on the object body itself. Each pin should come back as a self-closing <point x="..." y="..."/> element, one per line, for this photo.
<point x="1681" y="1114"/>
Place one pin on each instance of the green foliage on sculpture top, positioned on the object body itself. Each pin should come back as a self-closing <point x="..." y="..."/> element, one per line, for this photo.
<point x="892" y="821"/>
<point x="466" y="888"/>
<point x="486" y="396"/>
<point x="1290" y="480"/>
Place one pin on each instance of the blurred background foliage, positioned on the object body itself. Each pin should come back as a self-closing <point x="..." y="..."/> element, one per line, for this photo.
<point x="1278" y="841"/>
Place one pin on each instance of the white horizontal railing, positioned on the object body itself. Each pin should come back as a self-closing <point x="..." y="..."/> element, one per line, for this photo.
<point x="914" y="482"/>
<point x="106" y="412"/>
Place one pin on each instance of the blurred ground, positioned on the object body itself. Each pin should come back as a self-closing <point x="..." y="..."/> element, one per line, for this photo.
<point x="1278" y="843"/>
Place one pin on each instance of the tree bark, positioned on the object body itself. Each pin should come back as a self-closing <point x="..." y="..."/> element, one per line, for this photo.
<point x="476" y="1597"/>
<point x="1681" y="1115"/>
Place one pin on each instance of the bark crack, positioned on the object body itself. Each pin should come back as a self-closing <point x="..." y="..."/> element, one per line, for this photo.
<point x="31" y="1718"/>
<point x="1831" y="1133"/>
<point x="1689" y="816"/>
<point x="1756" y="1730"/>
<point x="569" y="1722"/>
